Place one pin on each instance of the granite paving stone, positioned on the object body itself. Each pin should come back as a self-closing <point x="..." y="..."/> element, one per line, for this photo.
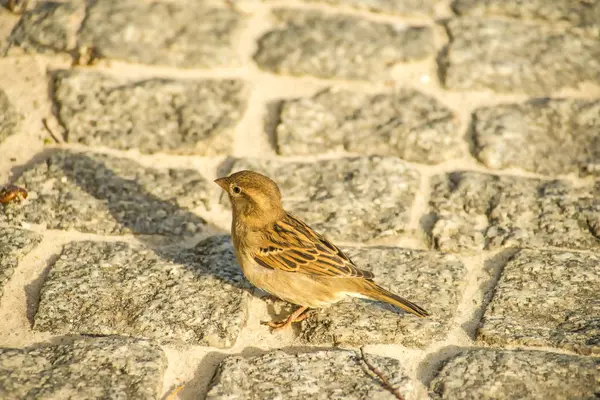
<point x="546" y="298"/>
<point x="9" y="117"/>
<point x="406" y="124"/>
<point x="516" y="374"/>
<point x="412" y="274"/>
<point x="195" y="296"/>
<point x="386" y="6"/>
<point x="545" y="136"/>
<point x="14" y="244"/>
<point x="514" y="56"/>
<point x="49" y="27"/>
<point x="327" y="374"/>
<point x="339" y="46"/>
<point x="574" y="12"/>
<point x="109" y="195"/>
<point x="101" y="368"/>
<point x="5" y="29"/>
<point x="177" y="34"/>
<point x="152" y="115"/>
<point x="474" y="211"/>
<point x="351" y="199"/>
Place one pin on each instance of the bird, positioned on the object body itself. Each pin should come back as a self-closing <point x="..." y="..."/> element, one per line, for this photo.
<point x="283" y="256"/>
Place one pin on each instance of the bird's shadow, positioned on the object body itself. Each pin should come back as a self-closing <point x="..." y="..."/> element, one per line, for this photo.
<point x="127" y="201"/>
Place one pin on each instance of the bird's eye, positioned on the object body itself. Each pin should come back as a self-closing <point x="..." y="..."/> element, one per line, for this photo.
<point x="236" y="190"/>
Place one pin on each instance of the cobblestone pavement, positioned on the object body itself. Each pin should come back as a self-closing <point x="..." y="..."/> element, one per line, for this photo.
<point x="451" y="147"/>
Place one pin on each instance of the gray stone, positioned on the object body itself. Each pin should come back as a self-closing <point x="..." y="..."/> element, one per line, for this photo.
<point x="104" y="194"/>
<point x="386" y="6"/>
<point x="351" y="199"/>
<point x="546" y="298"/>
<point x="514" y="56"/>
<point x="474" y="211"/>
<point x="406" y="124"/>
<point x="152" y="115"/>
<point x="412" y="274"/>
<point x="575" y="12"/>
<point x="339" y="46"/>
<point x="14" y="244"/>
<point x="9" y="118"/>
<point x="101" y="368"/>
<point x="516" y="374"/>
<point x="196" y="296"/>
<point x="49" y="27"/>
<point x="548" y="137"/>
<point x="177" y="34"/>
<point x="333" y="374"/>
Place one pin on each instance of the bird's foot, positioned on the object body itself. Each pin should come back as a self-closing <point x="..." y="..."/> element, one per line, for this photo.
<point x="297" y="316"/>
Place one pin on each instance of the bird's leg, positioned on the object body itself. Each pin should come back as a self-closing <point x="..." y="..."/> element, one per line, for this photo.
<point x="295" y="317"/>
<point x="303" y="316"/>
<point x="173" y="395"/>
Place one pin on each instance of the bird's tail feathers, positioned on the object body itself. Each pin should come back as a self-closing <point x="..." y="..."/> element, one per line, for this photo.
<point x="376" y="292"/>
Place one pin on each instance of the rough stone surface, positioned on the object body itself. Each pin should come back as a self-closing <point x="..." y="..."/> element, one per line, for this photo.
<point x="473" y="211"/>
<point x="546" y="298"/>
<point x="339" y="46"/>
<point x="49" y="27"/>
<point x="575" y="12"/>
<point x="506" y="56"/>
<point x="104" y="194"/>
<point x="169" y="115"/>
<point x="102" y="368"/>
<point x="195" y="296"/>
<point x="407" y="124"/>
<point x="14" y="244"/>
<point x="386" y="6"/>
<point x="334" y="374"/>
<point x="549" y="136"/>
<point x="505" y="375"/>
<point x="412" y="274"/>
<point x="178" y="34"/>
<point x="9" y="118"/>
<point x="353" y="199"/>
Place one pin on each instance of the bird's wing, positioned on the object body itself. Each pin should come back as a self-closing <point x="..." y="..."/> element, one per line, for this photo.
<point x="291" y="245"/>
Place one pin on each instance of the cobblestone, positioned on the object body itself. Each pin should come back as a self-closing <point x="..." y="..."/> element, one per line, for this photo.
<point x="334" y="374"/>
<point x="546" y="299"/>
<point x="507" y="56"/>
<point x="195" y="296"/>
<point x="407" y="124"/>
<point x="509" y="374"/>
<point x="101" y="368"/>
<point x="578" y="13"/>
<point x="104" y="194"/>
<point x="9" y="118"/>
<point x="180" y="116"/>
<point x="14" y="244"/>
<point x="364" y="49"/>
<point x="177" y="34"/>
<point x="548" y="137"/>
<point x="349" y="199"/>
<point x="474" y="211"/>
<point x="49" y="27"/>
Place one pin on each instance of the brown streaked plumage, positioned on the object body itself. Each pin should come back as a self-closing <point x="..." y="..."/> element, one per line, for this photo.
<point x="285" y="257"/>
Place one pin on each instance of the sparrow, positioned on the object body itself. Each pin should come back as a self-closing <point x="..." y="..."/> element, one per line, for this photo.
<point x="283" y="256"/>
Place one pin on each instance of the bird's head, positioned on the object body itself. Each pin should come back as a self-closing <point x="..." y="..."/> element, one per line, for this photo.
<point x="255" y="199"/>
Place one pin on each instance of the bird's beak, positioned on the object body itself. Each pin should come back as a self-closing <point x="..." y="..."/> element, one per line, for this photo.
<point x="223" y="183"/>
